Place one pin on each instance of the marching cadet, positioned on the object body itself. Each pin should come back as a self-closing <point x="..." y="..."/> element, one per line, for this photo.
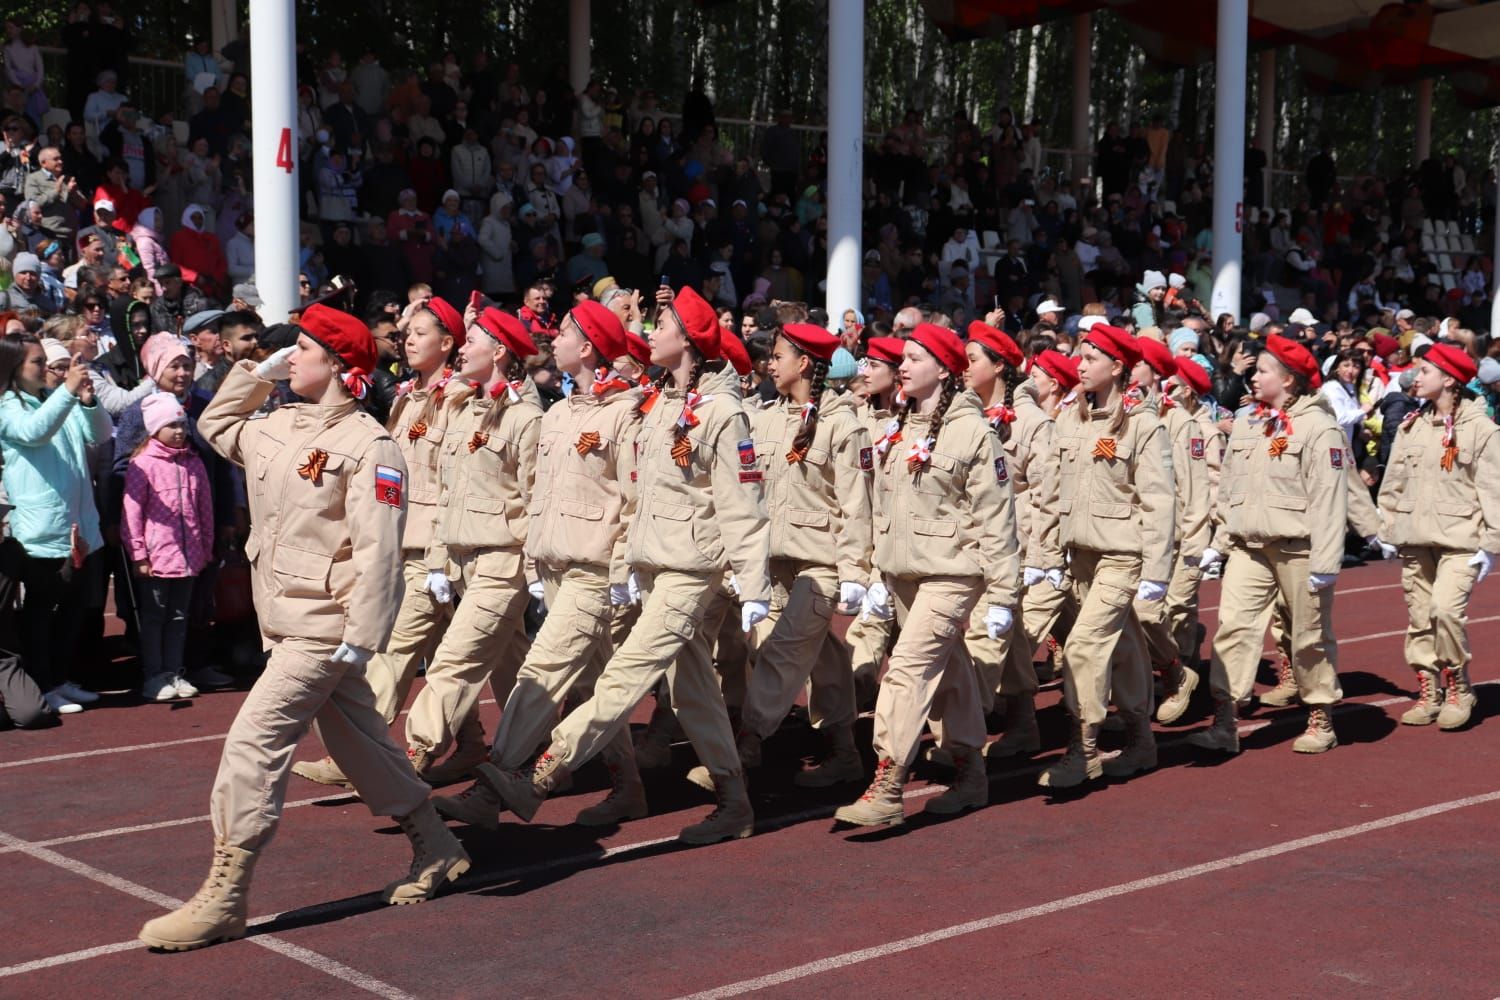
<point x="419" y="418"/>
<point x="1440" y="504"/>
<point x="1283" y="499"/>
<point x="868" y="636"/>
<point x="699" y="515"/>
<point x="1115" y="499"/>
<point x="817" y="460"/>
<point x="488" y="463"/>
<point x="945" y="538"/>
<point x="1165" y="622"/>
<point x="1192" y="391"/>
<point x="327" y="499"/>
<point x="579" y="510"/>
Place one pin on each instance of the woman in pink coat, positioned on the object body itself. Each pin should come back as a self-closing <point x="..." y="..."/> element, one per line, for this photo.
<point x="147" y="238"/>
<point x="168" y="531"/>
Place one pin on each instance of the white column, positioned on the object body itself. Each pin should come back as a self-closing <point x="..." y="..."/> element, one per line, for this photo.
<point x="224" y="19"/>
<point x="1265" y="123"/>
<point x="273" y="53"/>
<point x="1229" y="154"/>
<point x="578" y="44"/>
<point x="1424" y="120"/>
<point x="1083" y="53"/>
<point x="1495" y="297"/>
<point x="846" y="154"/>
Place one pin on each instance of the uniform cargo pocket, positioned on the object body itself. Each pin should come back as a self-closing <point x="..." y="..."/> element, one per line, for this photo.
<point x="301" y="572"/>
<point x="671" y="511"/>
<point x="807" y="518"/>
<point x="1113" y="510"/>
<point x="1283" y="502"/>
<point x="577" y="508"/>
<point x="934" y="527"/>
<point x="1454" y="509"/>
<point x="484" y="505"/>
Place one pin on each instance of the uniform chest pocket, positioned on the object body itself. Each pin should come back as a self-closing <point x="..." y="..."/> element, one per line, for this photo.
<point x="1111" y="476"/>
<point x="310" y="485"/>
<point x="940" y="478"/>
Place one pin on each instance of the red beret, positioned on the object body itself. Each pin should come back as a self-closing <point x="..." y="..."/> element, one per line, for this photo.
<point x="451" y="319"/>
<point x="887" y="349"/>
<point x="508" y="331"/>
<point x="637" y="347"/>
<point x="998" y="341"/>
<point x="346" y="337"/>
<point x="699" y="322"/>
<point x="1453" y="361"/>
<point x="1191" y="374"/>
<point x="1385" y="345"/>
<point x="1115" y="342"/>
<point x="944" y="345"/>
<point x="813" y="340"/>
<point x="1296" y="359"/>
<point x="1061" y="367"/>
<point x="1157" y="355"/>
<point x="601" y="327"/>
<point x="732" y="348"/>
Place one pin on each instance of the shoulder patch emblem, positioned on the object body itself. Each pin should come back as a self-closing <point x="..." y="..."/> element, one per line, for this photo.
<point x="1336" y="457"/>
<point x="1196" y="448"/>
<point x="747" y="454"/>
<point x="1002" y="474"/>
<point x="866" y="459"/>
<point x="388" y="483"/>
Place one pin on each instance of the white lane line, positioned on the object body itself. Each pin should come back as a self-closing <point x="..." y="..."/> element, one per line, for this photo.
<point x="1402" y="631"/>
<point x="296" y="953"/>
<point x="68" y="958"/>
<point x="108" y="750"/>
<point x="1337" y="593"/>
<point x="1086" y="898"/>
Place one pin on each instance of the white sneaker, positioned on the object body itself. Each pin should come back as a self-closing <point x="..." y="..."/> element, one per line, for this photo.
<point x="73" y="692"/>
<point x="209" y="677"/>
<point x="160" y="689"/>
<point x="60" y="704"/>
<point x="184" y="689"/>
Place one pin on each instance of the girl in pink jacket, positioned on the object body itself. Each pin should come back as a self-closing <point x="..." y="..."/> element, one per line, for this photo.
<point x="167" y="529"/>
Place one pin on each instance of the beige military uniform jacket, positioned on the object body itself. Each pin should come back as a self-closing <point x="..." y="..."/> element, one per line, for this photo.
<point x="1190" y="479"/>
<point x="422" y="447"/>
<point x="819" y="508"/>
<point x="327" y="490"/>
<point x="1458" y="507"/>
<point x="709" y="516"/>
<point x="1123" y="504"/>
<point x="582" y="497"/>
<point x="956" y="515"/>
<point x="1300" y="495"/>
<point x="1032" y="461"/>
<point x="486" y="478"/>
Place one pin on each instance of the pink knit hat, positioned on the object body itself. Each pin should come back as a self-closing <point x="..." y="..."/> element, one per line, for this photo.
<point x="158" y="353"/>
<point x="160" y="409"/>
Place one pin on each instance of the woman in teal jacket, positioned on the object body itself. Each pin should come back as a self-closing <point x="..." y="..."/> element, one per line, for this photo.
<point x="46" y="475"/>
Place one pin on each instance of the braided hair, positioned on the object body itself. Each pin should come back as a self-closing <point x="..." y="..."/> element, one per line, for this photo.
<point x="694" y="374"/>
<point x="1011" y="377"/>
<point x="515" y="370"/>
<point x="819" y="377"/>
<point x="946" y="396"/>
<point x="431" y="403"/>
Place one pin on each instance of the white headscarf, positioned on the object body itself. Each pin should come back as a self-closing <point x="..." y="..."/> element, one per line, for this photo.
<point x="187" y="217"/>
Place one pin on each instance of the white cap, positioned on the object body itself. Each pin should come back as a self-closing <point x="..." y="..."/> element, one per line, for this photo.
<point x="1259" y="322"/>
<point x="1086" y="323"/>
<point x="1153" y="279"/>
<point x="1176" y="280"/>
<point x="1406" y="314"/>
<point x="1048" y="306"/>
<point x="1301" y="315"/>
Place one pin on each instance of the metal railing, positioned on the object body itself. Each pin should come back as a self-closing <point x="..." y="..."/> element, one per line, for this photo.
<point x="156" y="86"/>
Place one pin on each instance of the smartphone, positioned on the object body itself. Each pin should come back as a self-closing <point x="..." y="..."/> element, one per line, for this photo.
<point x="475" y="299"/>
<point x="997" y="302"/>
<point x="664" y="281"/>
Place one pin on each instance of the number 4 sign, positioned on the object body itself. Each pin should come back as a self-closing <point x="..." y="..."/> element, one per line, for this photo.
<point x="284" y="151"/>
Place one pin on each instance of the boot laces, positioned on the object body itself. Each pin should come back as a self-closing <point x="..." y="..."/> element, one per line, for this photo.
<point x="1429" y="687"/>
<point x="884" y="772"/>
<point x="218" y="875"/>
<point x="1284" y="675"/>
<point x="1450" y="681"/>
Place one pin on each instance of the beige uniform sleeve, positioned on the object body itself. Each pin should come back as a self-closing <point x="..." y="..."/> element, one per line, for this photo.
<point x="1190" y="475"/>
<point x="375" y="537"/>
<point x="224" y="423"/>
<point x="994" y="511"/>
<point x="1487" y="483"/>
<point x="526" y="443"/>
<point x="1044" y="547"/>
<point x="625" y="474"/>
<point x="1158" y="503"/>
<point x="1363" y="516"/>
<point x="741" y="512"/>
<point x="854" y="541"/>
<point x="1327" y="501"/>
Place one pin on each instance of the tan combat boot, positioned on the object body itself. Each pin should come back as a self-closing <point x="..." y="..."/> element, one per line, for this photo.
<point x="1224" y="734"/>
<point x="1022" y="737"/>
<point x="970" y="788"/>
<point x="474" y="806"/>
<point x="841" y="764"/>
<point x="469" y="751"/>
<point x="524" y="791"/>
<point x="420" y="759"/>
<point x="437" y="857"/>
<point x="1459" y="701"/>
<point x="732" y="818"/>
<point x="1285" y="692"/>
<point x="627" y="796"/>
<point x="216" y="913"/>
<point x="1429" y="700"/>
<point x="1139" y="753"/>
<point x="1180" y="682"/>
<point x="324" y="772"/>
<point x="1079" y="763"/>
<point x="1318" y="737"/>
<point x="881" y="805"/>
<point x="746" y="744"/>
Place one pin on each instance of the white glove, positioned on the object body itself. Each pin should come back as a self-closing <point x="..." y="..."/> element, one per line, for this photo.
<point x="1485" y="561"/>
<point x="538" y="593"/>
<point x="1055" y="577"/>
<point x="619" y="595"/>
<point x="439" y="586"/>
<point x="355" y="656"/>
<point x="877" y="603"/>
<point x="633" y="585"/>
<point x="1031" y="576"/>
<point x="752" y="612"/>
<point x="733" y="583"/>
<point x="1211" y="557"/>
<point x="278" y="367"/>
<point x="1150" y="591"/>
<point x="997" y="621"/>
<point x="851" y="594"/>
<point x="1387" y="550"/>
<point x="1321" y="581"/>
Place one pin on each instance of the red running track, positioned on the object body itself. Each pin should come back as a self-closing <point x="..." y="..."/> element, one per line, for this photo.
<point x="1364" y="871"/>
